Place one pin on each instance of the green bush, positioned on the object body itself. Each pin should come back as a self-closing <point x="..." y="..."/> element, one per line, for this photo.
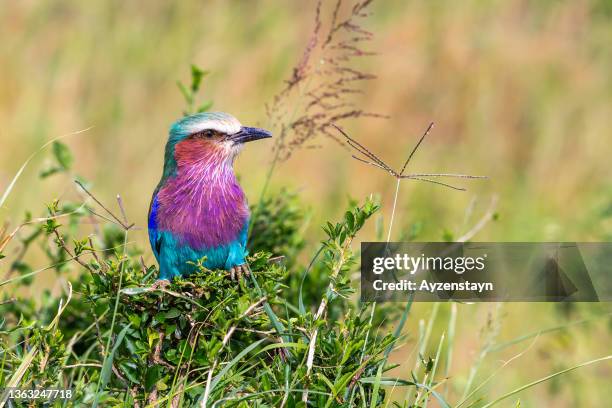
<point x="114" y="339"/>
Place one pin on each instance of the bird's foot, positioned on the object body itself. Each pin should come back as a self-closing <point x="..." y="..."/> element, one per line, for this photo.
<point x="237" y="272"/>
<point x="160" y="284"/>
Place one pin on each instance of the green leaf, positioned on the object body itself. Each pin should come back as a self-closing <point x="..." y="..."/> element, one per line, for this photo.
<point x="186" y="93"/>
<point x="161" y="386"/>
<point x="301" y="306"/>
<point x="108" y="362"/>
<point x="172" y="313"/>
<point x="49" y="172"/>
<point x="63" y="155"/>
<point x="327" y="382"/>
<point x="134" y="319"/>
<point x="350" y="220"/>
<point x="232" y="363"/>
<point x="196" y="77"/>
<point x="130" y="369"/>
<point x="448" y="236"/>
<point x="278" y="326"/>
<point x="152" y="376"/>
<point x="9" y="188"/>
<point x="204" y="107"/>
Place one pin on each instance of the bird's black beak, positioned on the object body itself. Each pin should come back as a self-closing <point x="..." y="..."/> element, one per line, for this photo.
<point x="249" y="134"/>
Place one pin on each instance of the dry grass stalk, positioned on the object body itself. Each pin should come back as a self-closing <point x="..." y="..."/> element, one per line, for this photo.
<point x="369" y="158"/>
<point x="323" y="81"/>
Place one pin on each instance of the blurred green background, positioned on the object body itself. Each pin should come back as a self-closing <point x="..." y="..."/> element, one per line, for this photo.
<point x="519" y="90"/>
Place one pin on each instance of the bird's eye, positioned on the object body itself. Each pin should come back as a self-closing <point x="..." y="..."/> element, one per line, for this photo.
<point x="209" y="133"/>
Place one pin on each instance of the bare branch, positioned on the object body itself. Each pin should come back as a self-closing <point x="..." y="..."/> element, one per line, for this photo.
<point x="416" y="147"/>
<point x="363" y="150"/>
<point x="436" y="182"/>
<point x="105" y="218"/>
<point x="368" y="154"/>
<point x="374" y="164"/>
<point x="122" y="208"/>
<point x="444" y="175"/>
<point x="94" y="254"/>
<point x="100" y="204"/>
<point x="62" y="244"/>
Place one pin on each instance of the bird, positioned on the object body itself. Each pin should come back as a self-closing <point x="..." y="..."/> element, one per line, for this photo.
<point x="198" y="209"/>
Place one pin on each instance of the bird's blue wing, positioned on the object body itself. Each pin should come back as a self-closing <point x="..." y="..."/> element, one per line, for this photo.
<point x="155" y="238"/>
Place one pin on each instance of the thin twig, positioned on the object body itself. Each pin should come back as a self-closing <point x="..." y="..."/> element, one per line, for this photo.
<point x="247" y="312"/>
<point x="122" y="208"/>
<point x="124" y="225"/>
<point x="105" y="218"/>
<point x="436" y="182"/>
<point x="93" y="252"/>
<point x="379" y="163"/>
<point x="397" y="186"/>
<point x="154" y="359"/>
<point x="401" y="173"/>
<point x="444" y="175"/>
<point x="355" y="145"/>
<point x="364" y="150"/>
<point x="142" y="265"/>
<point x="83" y="365"/>
<point x="374" y="164"/>
<point x="62" y="244"/>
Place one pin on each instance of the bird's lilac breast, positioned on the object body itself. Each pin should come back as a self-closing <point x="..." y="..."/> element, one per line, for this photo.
<point x="201" y="210"/>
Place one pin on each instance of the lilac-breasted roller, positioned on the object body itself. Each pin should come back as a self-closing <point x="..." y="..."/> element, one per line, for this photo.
<point x="198" y="208"/>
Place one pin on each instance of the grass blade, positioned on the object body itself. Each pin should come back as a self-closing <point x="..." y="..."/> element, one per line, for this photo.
<point x="278" y="326"/>
<point x="519" y="339"/>
<point x="232" y="363"/>
<point x="300" y="295"/>
<point x="396" y="335"/>
<point x="108" y="363"/>
<point x="114" y="316"/>
<point x="543" y="379"/>
<point x="400" y="382"/>
<point x="18" y="374"/>
<point x="11" y="185"/>
<point x="452" y="325"/>
<point x="489" y="378"/>
<point x="433" y="370"/>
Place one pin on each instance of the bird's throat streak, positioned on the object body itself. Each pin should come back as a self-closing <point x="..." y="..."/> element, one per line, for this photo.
<point x="202" y="204"/>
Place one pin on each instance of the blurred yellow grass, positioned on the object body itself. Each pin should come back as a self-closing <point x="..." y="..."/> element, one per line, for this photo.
<point x="520" y="91"/>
